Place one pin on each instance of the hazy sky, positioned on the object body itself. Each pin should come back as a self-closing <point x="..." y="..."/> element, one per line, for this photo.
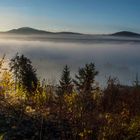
<point x="88" y="16"/>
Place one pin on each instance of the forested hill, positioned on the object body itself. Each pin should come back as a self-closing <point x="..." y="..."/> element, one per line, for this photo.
<point x="28" y="30"/>
<point x="126" y="33"/>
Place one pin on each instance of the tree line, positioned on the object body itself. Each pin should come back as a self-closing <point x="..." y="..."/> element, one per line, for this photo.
<point x="76" y="109"/>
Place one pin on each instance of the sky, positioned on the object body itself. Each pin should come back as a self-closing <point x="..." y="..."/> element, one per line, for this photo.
<point x="85" y="16"/>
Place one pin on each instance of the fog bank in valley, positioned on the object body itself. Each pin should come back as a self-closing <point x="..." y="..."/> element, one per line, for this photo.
<point x="113" y="58"/>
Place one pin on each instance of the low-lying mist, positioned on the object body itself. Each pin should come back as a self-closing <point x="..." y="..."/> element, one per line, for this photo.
<point x="115" y="58"/>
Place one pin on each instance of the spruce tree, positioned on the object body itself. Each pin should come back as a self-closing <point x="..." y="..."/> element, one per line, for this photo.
<point x="85" y="78"/>
<point x="85" y="84"/>
<point x="25" y="74"/>
<point x="66" y="81"/>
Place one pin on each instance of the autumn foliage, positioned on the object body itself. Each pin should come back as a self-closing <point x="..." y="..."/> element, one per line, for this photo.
<point x="75" y="109"/>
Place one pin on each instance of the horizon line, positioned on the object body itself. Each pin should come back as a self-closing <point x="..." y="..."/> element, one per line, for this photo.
<point x="67" y="31"/>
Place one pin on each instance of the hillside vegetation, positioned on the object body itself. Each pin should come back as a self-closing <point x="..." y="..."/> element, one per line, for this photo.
<point x="75" y="109"/>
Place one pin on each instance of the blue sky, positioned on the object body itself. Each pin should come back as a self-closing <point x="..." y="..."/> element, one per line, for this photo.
<point x="88" y="16"/>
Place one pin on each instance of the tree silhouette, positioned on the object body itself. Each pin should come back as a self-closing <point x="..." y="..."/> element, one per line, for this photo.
<point x="86" y="78"/>
<point x="85" y="83"/>
<point x="25" y="74"/>
<point x="66" y="81"/>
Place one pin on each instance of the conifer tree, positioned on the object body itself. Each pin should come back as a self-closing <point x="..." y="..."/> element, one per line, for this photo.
<point x="25" y="74"/>
<point x="85" y="84"/>
<point x="66" y="81"/>
<point x="85" y="78"/>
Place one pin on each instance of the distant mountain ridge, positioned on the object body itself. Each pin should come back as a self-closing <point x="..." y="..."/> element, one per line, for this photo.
<point x="32" y="31"/>
<point x="126" y="33"/>
<point x="28" y="30"/>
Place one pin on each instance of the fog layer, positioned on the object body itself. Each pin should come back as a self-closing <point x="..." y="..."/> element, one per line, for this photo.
<point x="115" y="58"/>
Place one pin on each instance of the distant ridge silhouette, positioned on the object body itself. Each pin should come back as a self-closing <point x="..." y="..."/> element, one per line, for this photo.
<point x="28" y="30"/>
<point x="33" y="31"/>
<point x="126" y="33"/>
